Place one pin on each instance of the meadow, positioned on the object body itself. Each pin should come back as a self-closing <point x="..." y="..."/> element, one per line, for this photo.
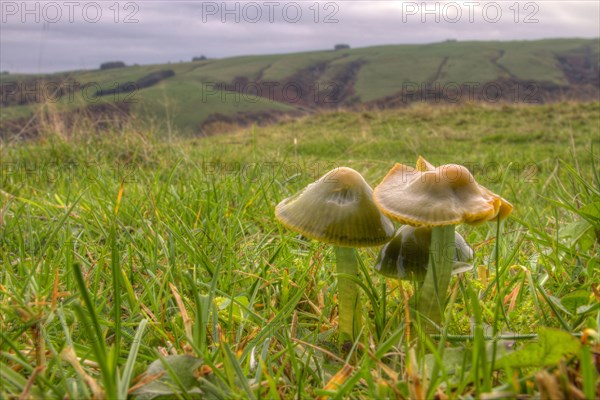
<point x="139" y="264"/>
<point x="316" y="80"/>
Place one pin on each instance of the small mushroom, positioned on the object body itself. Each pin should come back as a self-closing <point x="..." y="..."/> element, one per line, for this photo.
<point x="505" y="207"/>
<point x="406" y="256"/>
<point x="338" y="209"/>
<point x="439" y="198"/>
<point x="447" y="195"/>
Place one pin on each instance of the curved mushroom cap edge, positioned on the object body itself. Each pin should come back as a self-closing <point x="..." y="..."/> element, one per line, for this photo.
<point x="337" y="209"/>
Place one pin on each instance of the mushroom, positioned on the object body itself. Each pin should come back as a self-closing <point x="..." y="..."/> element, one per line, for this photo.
<point x="338" y="209"/>
<point x="406" y="256"/>
<point x="438" y="198"/>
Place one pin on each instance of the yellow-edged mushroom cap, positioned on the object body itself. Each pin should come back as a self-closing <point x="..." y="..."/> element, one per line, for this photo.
<point x="423" y="165"/>
<point x="428" y="196"/>
<point x="504" y="206"/>
<point x="337" y="209"/>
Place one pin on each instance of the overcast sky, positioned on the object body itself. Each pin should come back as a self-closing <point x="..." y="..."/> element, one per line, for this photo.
<point x="48" y="36"/>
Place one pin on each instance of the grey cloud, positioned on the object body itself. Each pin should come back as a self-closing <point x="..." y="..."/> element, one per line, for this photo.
<point x="173" y="31"/>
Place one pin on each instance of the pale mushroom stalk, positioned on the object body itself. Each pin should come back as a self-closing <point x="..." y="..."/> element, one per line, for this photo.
<point x="439" y="198"/>
<point x="432" y="295"/>
<point x="349" y="304"/>
<point x="338" y="209"/>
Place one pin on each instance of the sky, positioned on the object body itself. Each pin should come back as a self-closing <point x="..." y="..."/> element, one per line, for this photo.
<point x="51" y="36"/>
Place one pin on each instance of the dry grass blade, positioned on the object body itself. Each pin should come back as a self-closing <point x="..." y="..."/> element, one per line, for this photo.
<point x="69" y="355"/>
<point x="416" y="386"/>
<point x="406" y="310"/>
<point x="337" y="380"/>
<point x="322" y="350"/>
<point x="143" y="380"/>
<point x="187" y="321"/>
<point x="548" y="387"/>
<point x="119" y="197"/>
<point x="30" y="381"/>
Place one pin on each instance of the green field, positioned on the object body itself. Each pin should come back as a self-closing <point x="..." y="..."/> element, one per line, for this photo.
<point x="188" y="98"/>
<point x="122" y="248"/>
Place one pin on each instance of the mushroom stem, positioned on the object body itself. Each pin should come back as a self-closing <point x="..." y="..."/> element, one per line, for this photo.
<point x="432" y="296"/>
<point x="349" y="306"/>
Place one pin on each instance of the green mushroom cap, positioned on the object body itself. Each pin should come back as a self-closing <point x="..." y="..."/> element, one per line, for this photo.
<point x="337" y="209"/>
<point x="406" y="256"/>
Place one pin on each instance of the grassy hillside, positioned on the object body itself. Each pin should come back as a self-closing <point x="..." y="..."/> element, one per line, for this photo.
<point x="201" y="91"/>
<point x="121" y="248"/>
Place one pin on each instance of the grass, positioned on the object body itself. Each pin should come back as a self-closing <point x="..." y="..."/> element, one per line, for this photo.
<point x="121" y="250"/>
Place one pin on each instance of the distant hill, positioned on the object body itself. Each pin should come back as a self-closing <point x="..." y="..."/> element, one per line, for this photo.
<point x="202" y="96"/>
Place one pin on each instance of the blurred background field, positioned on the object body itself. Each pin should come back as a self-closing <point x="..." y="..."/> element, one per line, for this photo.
<point x="210" y="95"/>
